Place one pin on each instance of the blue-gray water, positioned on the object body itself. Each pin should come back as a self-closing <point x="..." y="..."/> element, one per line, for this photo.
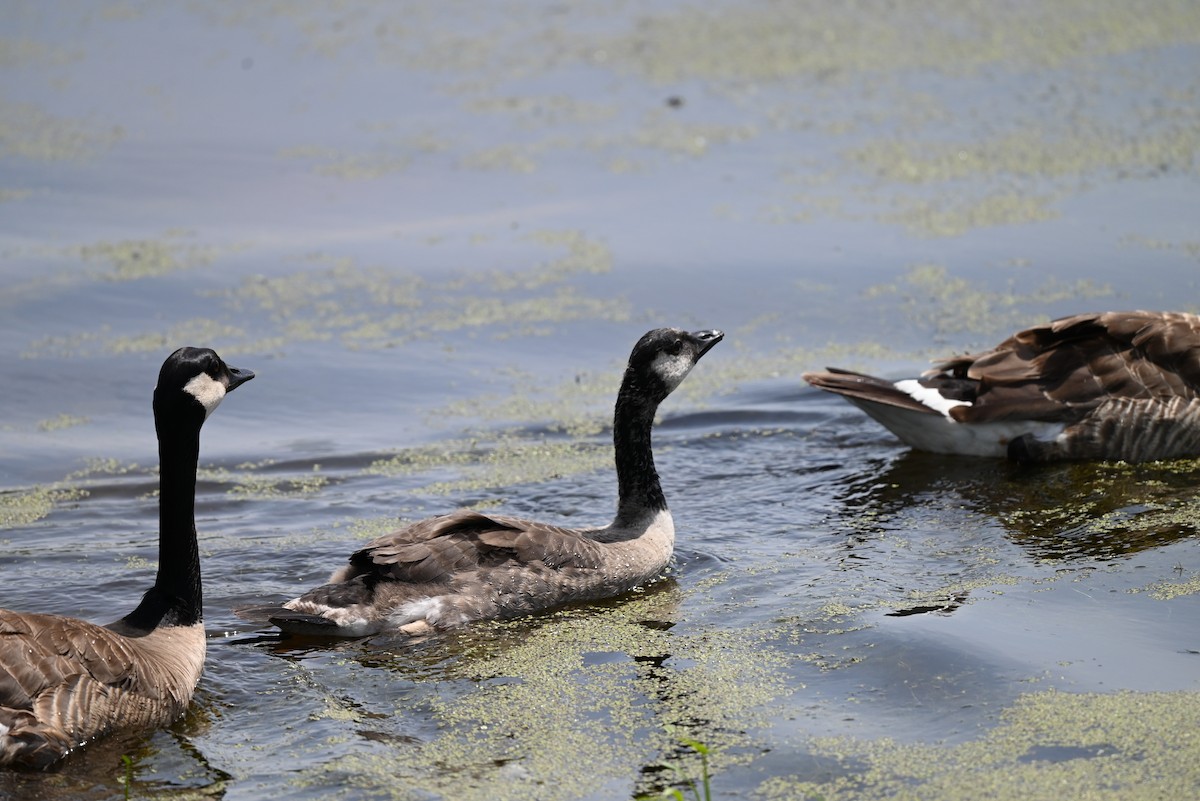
<point x="434" y="230"/>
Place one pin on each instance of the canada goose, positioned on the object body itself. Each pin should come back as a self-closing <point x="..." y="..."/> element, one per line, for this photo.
<point x="467" y="565"/>
<point x="1113" y="385"/>
<point x="65" y="681"/>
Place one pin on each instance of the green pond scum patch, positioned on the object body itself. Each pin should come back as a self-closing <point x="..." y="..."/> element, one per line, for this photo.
<point x="746" y="54"/>
<point x="746" y="42"/>
<point x="267" y="488"/>
<point x="930" y="292"/>
<point x="61" y="421"/>
<point x="578" y="407"/>
<point x="424" y="458"/>
<point x="357" y="306"/>
<point x="506" y="157"/>
<point x="1190" y="248"/>
<point x="852" y="607"/>
<point x="503" y="460"/>
<point x="1166" y="590"/>
<point x="954" y="215"/>
<point x="29" y="133"/>
<point x="370" y="529"/>
<point x="138" y="563"/>
<point x="334" y="163"/>
<point x="134" y="259"/>
<point x="585" y="698"/>
<point x="660" y="132"/>
<point x="105" y="341"/>
<point x="535" y="112"/>
<point x="512" y="463"/>
<point x="1029" y="155"/>
<point x="1049" y="745"/>
<point x="102" y="466"/>
<point x="376" y="306"/>
<point x="24" y="507"/>
<point x="757" y="41"/>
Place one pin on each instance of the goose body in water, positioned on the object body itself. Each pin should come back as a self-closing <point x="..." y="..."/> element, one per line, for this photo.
<point x="1112" y="385"/>
<point x="65" y="681"/>
<point x="468" y="565"/>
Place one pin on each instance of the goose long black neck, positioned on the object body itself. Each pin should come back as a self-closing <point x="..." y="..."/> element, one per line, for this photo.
<point x="638" y="488"/>
<point x="176" y="598"/>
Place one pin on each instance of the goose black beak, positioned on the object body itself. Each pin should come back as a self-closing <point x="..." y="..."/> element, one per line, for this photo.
<point x="706" y="339"/>
<point x="237" y="378"/>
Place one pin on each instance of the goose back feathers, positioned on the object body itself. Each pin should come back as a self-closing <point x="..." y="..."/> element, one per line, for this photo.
<point x="467" y="565"/>
<point x="65" y="681"/>
<point x="1113" y="385"/>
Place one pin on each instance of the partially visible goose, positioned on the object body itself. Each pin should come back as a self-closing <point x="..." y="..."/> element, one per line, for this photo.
<point x="65" y="681"/>
<point x="1114" y="385"/>
<point x="467" y="565"/>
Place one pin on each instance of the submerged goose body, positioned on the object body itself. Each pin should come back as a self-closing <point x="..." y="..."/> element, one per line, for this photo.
<point x="1112" y="385"/>
<point x="65" y="681"/>
<point x="466" y="565"/>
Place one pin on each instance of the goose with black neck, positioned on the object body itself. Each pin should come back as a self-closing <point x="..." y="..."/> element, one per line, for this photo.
<point x="65" y="681"/>
<point x="464" y="566"/>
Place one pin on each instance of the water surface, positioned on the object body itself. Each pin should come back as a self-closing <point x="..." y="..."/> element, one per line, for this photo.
<point x="435" y="231"/>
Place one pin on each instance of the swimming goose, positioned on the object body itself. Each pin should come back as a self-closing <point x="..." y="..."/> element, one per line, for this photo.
<point x="468" y="565"/>
<point x="65" y="681"/>
<point x="1113" y="385"/>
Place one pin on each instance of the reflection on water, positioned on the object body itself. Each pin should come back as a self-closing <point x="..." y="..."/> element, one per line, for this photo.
<point x="167" y="763"/>
<point x="1100" y="511"/>
<point x="434" y="232"/>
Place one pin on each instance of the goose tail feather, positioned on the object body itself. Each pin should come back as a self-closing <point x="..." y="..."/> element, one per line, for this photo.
<point x="867" y="388"/>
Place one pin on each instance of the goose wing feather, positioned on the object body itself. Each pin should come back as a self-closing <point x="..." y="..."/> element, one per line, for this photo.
<point x="64" y="681"/>
<point x="1062" y="370"/>
<point x="864" y="387"/>
<point x="434" y="550"/>
<point x="551" y="545"/>
<point x="41" y="652"/>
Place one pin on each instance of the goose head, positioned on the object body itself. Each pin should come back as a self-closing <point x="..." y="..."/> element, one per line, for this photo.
<point x="192" y="383"/>
<point x="662" y="358"/>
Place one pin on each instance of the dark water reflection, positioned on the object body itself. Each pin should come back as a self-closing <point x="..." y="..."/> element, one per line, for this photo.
<point x="1068" y="511"/>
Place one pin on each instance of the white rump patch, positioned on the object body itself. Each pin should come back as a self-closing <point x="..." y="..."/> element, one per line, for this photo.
<point x="427" y="609"/>
<point x="206" y="389"/>
<point x="356" y="627"/>
<point x="928" y="396"/>
<point x="672" y="369"/>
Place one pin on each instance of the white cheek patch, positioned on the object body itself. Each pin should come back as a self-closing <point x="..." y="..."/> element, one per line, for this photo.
<point x="206" y="389"/>
<point x="928" y="397"/>
<point x="671" y="369"/>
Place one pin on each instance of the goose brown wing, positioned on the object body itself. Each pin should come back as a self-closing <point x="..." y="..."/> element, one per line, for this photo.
<point x="61" y="681"/>
<point x="1170" y="342"/>
<point x="1061" y="370"/>
<point x="434" y="550"/>
<point x="551" y="545"/>
<point x="41" y="652"/>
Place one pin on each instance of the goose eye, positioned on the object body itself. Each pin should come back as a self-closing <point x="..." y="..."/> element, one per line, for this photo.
<point x="675" y="347"/>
